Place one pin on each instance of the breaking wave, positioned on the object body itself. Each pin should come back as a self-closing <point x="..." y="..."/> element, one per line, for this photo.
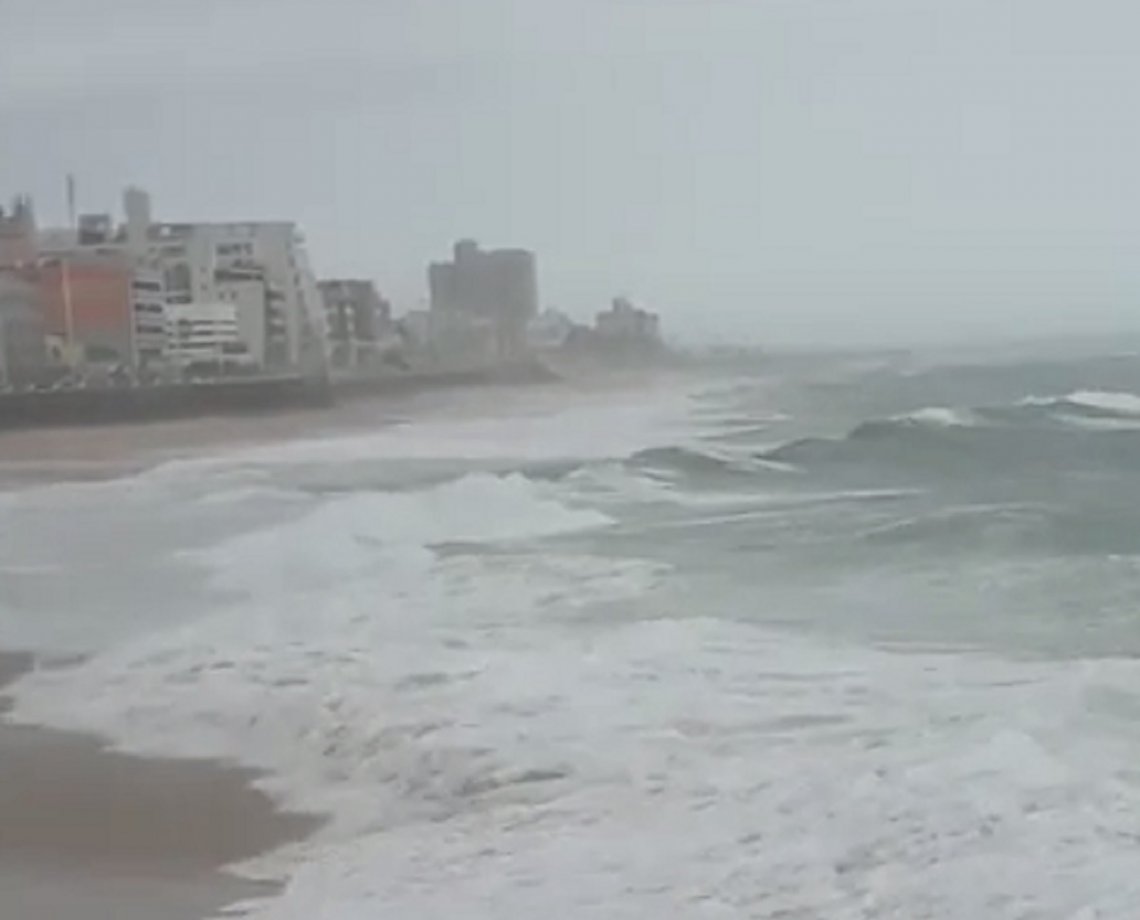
<point x="1091" y="402"/>
<point x="681" y="460"/>
<point x="1083" y="431"/>
<point x="349" y="650"/>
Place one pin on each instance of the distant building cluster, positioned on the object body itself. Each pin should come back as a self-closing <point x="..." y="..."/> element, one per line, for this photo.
<point x="624" y="322"/>
<point x="145" y="298"/>
<point x="621" y="331"/>
<point x="141" y="300"/>
<point x="484" y="299"/>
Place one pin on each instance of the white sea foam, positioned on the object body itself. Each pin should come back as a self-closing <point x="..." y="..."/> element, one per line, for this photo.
<point x="689" y="768"/>
<point x="488" y="744"/>
<point x="1108" y="401"/>
<point x="617" y="484"/>
<point x="940" y="417"/>
<point x="1120" y="403"/>
<point x="1110" y="410"/>
<point x="340" y="615"/>
<point x="351" y="534"/>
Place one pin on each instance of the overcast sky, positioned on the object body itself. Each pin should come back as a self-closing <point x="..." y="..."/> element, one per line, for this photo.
<point x="785" y="170"/>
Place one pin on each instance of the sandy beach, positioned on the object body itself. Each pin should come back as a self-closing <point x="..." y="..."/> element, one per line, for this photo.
<point x="100" y="452"/>
<point x="30" y="456"/>
<point x="92" y="834"/>
<point x="88" y="834"/>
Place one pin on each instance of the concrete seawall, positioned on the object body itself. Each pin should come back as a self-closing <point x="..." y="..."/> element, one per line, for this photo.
<point x="260" y="396"/>
<point x="54" y="408"/>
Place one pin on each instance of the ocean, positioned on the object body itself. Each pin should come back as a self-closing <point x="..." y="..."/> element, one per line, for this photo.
<point x="826" y="637"/>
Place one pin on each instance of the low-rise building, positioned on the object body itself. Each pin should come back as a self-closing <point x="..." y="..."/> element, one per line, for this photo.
<point x="414" y="328"/>
<point x="358" y="322"/>
<point x="625" y="323"/>
<point x="461" y="340"/>
<point x="549" y="330"/>
<point x="452" y="340"/>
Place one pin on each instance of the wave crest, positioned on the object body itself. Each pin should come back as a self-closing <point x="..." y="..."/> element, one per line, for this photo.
<point x="1081" y="430"/>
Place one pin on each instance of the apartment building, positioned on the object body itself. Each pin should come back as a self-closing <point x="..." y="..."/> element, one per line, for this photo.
<point x="196" y="257"/>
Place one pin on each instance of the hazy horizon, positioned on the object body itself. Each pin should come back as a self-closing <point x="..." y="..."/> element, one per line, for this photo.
<point x="882" y="171"/>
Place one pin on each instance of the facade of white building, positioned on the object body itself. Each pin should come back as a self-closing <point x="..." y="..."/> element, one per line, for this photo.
<point x="205" y="333"/>
<point x="261" y="314"/>
<point x="196" y="255"/>
<point x="260" y="267"/>
<point x="148" y="305"/>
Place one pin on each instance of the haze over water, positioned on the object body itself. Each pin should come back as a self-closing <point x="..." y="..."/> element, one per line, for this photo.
<point x="807" y="172"/>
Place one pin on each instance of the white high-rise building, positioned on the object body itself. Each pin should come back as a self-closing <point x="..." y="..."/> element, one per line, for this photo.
<point x="261" y="267"/>
<point x="197" y="256"/>
<point x="213" y="262"/>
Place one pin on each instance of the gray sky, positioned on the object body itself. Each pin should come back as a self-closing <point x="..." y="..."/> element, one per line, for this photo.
<point x="787" y="170"/>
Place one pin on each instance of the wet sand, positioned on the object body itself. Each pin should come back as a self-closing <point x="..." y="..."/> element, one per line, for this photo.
<point x="100" y="452"/>
<point x="88" y="834"/>
<point x="46" y="455"/>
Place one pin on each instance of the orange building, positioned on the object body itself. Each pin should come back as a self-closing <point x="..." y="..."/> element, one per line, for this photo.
<point x="87" y="302"/>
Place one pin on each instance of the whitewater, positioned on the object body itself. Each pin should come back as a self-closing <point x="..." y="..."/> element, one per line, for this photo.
<point x="826" y="640"/>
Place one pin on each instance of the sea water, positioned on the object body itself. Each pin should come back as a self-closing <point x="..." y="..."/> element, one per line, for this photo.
<point x="819" y="639"/>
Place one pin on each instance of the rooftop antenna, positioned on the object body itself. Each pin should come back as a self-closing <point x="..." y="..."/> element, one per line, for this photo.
<point x="71" y="201"/>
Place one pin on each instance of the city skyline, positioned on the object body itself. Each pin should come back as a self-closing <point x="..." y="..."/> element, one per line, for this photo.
<point x="776" y="170"/>
<point x="148" y="300"/>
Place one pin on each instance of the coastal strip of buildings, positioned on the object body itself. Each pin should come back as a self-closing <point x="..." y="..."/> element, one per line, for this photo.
<point x="141" y="301"/>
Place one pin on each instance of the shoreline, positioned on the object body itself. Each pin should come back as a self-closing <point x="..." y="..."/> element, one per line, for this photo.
<point x="87" y="833"/>
<point x="38" y="456"/>
<point x="239" y="397"/>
